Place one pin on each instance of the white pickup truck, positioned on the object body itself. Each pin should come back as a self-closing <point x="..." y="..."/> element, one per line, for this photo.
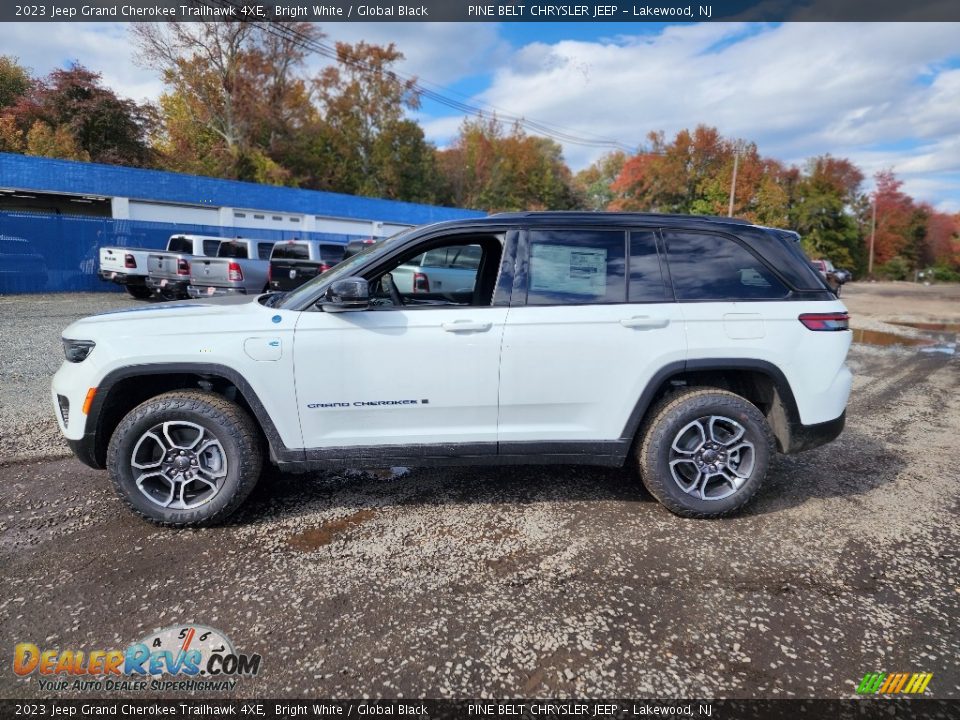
<point x="241" y="267"/>
<point x="169" y="272"/>
<point x="127" y="267"/>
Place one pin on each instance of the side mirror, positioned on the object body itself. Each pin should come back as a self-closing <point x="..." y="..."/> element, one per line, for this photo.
<point x="344" y="295"/>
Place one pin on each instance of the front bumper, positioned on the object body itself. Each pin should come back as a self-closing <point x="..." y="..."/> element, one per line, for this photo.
<point x="205" y="291"/>
<point x="121" y="278"/>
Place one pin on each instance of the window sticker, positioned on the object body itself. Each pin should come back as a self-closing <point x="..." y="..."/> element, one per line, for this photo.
<point x="566" y="269"/>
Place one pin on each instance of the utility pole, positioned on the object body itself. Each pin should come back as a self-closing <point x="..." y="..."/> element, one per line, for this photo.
<point x="733" y="180"/>
<point x="873" y="236"/>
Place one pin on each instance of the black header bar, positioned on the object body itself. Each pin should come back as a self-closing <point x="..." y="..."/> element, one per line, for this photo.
<point x="330" y="11"/>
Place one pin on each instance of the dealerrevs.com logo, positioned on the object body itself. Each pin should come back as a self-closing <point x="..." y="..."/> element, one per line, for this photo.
<point x="177" y="658"/>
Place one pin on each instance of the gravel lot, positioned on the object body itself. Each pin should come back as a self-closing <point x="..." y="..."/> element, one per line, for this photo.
<point x="535" y="582"/>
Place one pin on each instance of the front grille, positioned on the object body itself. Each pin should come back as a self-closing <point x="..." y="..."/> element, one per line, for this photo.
<point x="64" y="409"/>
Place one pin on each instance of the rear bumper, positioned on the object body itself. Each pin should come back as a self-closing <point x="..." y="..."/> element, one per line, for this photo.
<point x="807" y="437"/>
<point x="159" y="285"/>
<point x="121" y="278"/>
<point x="205" y="291"/>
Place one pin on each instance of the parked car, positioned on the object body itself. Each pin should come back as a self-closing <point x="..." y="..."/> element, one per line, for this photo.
<point x="169" y="272"/>
<point x="829" y="273"/>
<point x="294" y="262"/>
<point x="22" y="269"/>
<point x="239" y="268"/>
<point x="448" y="269"/>
<point x="689" y="348"/>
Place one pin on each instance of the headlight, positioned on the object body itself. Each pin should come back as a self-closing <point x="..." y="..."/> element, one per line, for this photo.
<point x="77" y="350"/>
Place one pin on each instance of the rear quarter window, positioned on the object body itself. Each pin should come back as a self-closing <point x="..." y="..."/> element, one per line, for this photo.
<point x="705" y="267"/>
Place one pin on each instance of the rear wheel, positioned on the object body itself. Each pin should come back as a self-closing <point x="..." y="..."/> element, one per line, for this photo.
<point x="140" y="292"/>
<point x="185" y="459"/>
<point x="704" y="452"/>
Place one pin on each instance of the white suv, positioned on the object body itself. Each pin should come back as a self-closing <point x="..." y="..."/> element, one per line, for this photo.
<point x="687" y="347"/>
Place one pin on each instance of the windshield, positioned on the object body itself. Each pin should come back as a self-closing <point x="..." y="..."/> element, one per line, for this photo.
<point x="341" y="270"/>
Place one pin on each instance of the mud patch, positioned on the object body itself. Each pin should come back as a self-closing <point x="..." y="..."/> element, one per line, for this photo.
<point x="885" y="339"/>
<point x="315" y="538"/>
<point x="939" y="327"/>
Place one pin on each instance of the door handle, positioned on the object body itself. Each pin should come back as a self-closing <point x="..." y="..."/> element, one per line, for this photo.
<point x="645" y="322"/>
<point x="466" y="326"/>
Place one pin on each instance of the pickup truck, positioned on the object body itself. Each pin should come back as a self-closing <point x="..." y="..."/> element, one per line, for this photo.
<point x="127" y="267"/>
<point x="239" y="268"/>
<point x="168" y="273"/>
<point x="294" y="262"/>
<point x="443" y="270"/>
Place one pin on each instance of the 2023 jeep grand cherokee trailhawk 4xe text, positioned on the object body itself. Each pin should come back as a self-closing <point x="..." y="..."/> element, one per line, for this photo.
<point x="690" y="348"/>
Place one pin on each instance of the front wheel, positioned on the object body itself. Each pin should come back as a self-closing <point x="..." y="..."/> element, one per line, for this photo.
<point x="185" y="458"/>
<point x="704" y="452"/>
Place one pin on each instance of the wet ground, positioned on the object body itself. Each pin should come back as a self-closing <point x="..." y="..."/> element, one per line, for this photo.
<point x="539" y="582"/>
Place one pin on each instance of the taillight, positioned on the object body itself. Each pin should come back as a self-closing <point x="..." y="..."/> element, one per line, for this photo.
<point x="234" y="273"/>
<point x="322" y="269"/>
<point x="825" y="321"/>
<point x="421" y="283"/>
<point x="183" y="267"/>
<point x="129" y="261"/>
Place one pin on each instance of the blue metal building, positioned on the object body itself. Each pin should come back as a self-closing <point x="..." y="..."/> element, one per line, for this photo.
<point x="56" y="214"/>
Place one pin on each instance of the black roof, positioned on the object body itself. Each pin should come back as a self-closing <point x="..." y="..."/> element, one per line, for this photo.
<point x="605" y="216"/>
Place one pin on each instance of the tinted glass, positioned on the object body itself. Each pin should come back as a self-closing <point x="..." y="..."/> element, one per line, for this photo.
<point x="180" y="245"/>
<point x="713" y="267"/>
<point x="466" y="257"/>
<point x="264" y="250"/>
<point x="332" y="254"/>
<point x="570" y="267"/>
<point x="210" y="247"/>
<point x="232" y="250"/>
<point x="646" y="276"/>
<point x="291" y="251"/>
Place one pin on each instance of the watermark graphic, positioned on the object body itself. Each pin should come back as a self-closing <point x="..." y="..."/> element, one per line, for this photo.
<point x="894" y="683"/>
<point x="180" y="657"/>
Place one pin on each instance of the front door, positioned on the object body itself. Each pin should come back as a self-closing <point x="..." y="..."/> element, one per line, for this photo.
<point x="418" y="369"/>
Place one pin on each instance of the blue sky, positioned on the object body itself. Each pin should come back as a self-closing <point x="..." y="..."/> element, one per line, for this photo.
<point x="883" y="95"/>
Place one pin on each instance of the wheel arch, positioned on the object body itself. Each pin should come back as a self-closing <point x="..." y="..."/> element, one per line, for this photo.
<point x="125" y="388"/>
<point x="759" y="381"/>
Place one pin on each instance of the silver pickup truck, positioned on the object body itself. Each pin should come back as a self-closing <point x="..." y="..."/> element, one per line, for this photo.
<point x="168" y="273"/>
<point x="240" y="268"/>
<point x="450" y="269"/>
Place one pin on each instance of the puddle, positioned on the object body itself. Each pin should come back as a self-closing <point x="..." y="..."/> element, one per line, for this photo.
<point x="877" y="337"/>
<point x="317" y="537"/>
<point x="931" y="327"/>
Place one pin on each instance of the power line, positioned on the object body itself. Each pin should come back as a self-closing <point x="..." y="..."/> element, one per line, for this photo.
<point x="314" y="45"/>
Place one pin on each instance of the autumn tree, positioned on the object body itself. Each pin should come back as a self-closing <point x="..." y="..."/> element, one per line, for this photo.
<point x="494" y="168"/>
<point x="72" y="112"/>
<point x="14" y="81"/>
<point x="820" y="210"/>
<point x="594" y="182"/>
<point x="235" y="96"/>
<point x="896" y="221"/>
<point x="366" y="134"/>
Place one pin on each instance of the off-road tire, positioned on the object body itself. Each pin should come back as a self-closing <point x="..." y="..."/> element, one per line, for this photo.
<point x="667" y="419"/>
<point x="225" y="420"/>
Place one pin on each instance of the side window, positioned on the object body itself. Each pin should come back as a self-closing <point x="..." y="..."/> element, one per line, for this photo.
<point x="646" y="274"/>
<point x="264" y="250"/>
<point x="210" y="247"/>
<point x="713" y="267"/>
<point x="574" y="267"/>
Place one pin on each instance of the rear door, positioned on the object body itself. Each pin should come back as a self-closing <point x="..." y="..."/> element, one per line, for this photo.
<point x="591" y="322"/>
